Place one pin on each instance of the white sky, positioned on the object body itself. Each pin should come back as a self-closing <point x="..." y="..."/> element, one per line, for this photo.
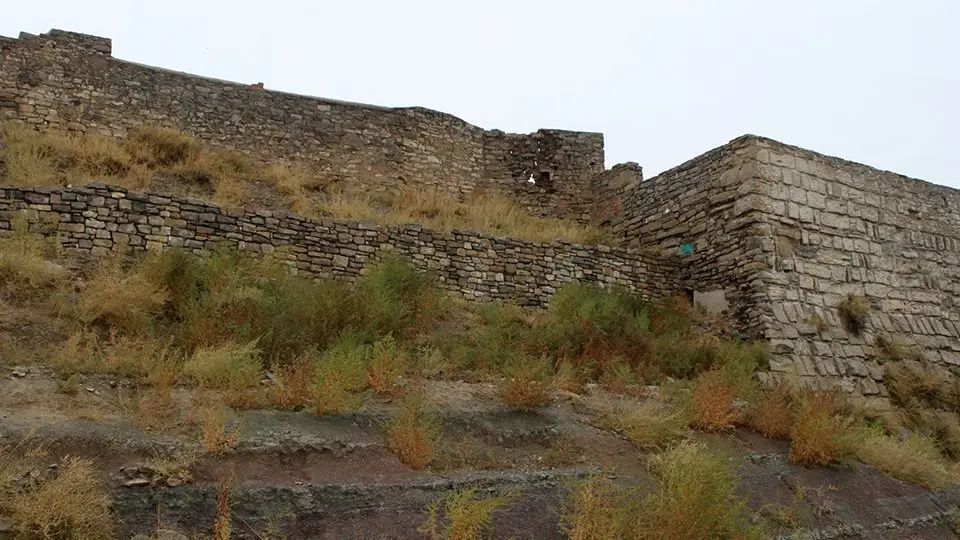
<point x="873" y="81"/>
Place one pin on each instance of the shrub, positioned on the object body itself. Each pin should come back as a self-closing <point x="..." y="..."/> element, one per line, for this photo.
<point x="72" y="505"/>
<point x="592" y="510"/>
<point x="228" y="366"/>
<point x="914" y="386"/>
<point x="388" y="363"/>
<point x="916" y="459"/>
<point x="294" y="384"/>
<point x="854" y="312"/>
<point x="465" y="516"/>
<point x="648" y="426"/>
<point x="771" y="414"/>
<point x="160" y="147"/>
<point x="223" y="524"/>
<point x="712" y="406"/>
<point x="394" y="297"/>
<point x="694" y="497"/>
<point x="819" y="434"/>
<point x="595" y="328"/>
<point x="124" y="300"/>
<point x="413" y="434"/>
<point x="526" y="387"/>
<point x="217" y="439"/>
<point x="24" y="263"/>
<point x="50" y="158"/>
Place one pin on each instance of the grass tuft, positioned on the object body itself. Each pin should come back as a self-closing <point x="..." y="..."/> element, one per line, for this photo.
<point x="854" y="312"/>
<point x="413" y="434"/>
<point x="915" y="458"/>
<point x="819" y="435"/>
<point x="73" y="504"/>
<point x="649" y="426"/>
<point x="462" y="515"/>
<point x="228" y="366"/>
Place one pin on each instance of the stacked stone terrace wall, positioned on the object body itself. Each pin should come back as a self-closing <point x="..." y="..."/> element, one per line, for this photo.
<point x="841" y="228"/>
<point x="96" y="220"/>
<point x="70" y="81"/>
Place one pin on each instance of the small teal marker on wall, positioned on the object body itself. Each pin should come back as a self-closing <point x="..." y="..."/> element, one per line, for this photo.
<point x="686" y="249"/>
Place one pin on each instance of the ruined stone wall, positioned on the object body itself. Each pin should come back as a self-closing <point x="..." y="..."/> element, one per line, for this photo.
<point x="550" y="173"/>
<point x="841" y="228"/>
<point x="71" y="81"/>
<point x="706" y="214"/>
<point x="96" y="220"/>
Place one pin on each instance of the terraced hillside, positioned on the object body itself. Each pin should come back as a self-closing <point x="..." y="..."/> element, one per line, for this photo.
<point x="168" y="394"/>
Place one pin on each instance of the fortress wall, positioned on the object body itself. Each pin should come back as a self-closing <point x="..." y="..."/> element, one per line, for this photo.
<point x="70" y="81"/>
<point x="842" y="228"/>
<point x="95" y="220"/>
<point x="550" y="173"/>
<point x="706" y="212"/>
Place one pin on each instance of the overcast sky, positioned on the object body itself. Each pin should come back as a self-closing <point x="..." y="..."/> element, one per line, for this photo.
<point x="873" y="81"/>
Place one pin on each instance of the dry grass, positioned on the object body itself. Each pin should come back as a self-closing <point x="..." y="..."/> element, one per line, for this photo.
<point x="462" y="515"/>
<point x="694" y="498"/>
<point x="915" y="459"/>
<point x="413" y="434"/>
<point x="567" y="378"/>
<point x="819" y="435"/>
<point x="53" y="158"/>
<point x="712" y="405"/>
<point x="26" y="261"/>
<point x="228" y="366"/>
<point x="649" y="426"/>
<point x="591" y="511"/>
<point x="560" y="453"/>
<point x="293" y="388"/>
<point x="854" y="312"/>
<point x="526" y="386"/>
<point x="772" y="414"/>
<point x="217" y="439"/>
<point x="223" y="527"/>
<point x="387" y="364"/>
<point x="125" y="300"/>
<point x="469" y="453"/>
<point x="489" y="213"/>
<point x="73" y="504"/>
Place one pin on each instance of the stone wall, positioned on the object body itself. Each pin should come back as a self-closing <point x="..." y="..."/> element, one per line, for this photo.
<point x="95" y="220"/>
<point x="704" y="212"/>
<point x="840" y="228"/>
<point x="70" y="81"/>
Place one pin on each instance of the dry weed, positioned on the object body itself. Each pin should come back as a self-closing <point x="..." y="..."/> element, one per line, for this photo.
<point x="222" y="527"/>
<point x="217" y="439"/>
<point x="649" y="426"/>
<point x="387" y="364"/>
<point x="694" y="498"/>
<point x="413" y="434"/>
<point x="26" y="261"/>
<point x="819" y="435"/>
<point x="228" y="366"/>
<point x="126" y="300"/>
<point x="854" y="312"/>
<point x="71" y="505"/>
<point x="465" y="516"/>
<point x="293" y="388"/>
<point x="592" y="510"/>
<point x="771" y="414"/>
<point x="712" y="406"/>
<point x="915" y="459"/>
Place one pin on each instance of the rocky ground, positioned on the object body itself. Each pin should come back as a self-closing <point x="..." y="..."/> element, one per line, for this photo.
<point x="297" y="475"/>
